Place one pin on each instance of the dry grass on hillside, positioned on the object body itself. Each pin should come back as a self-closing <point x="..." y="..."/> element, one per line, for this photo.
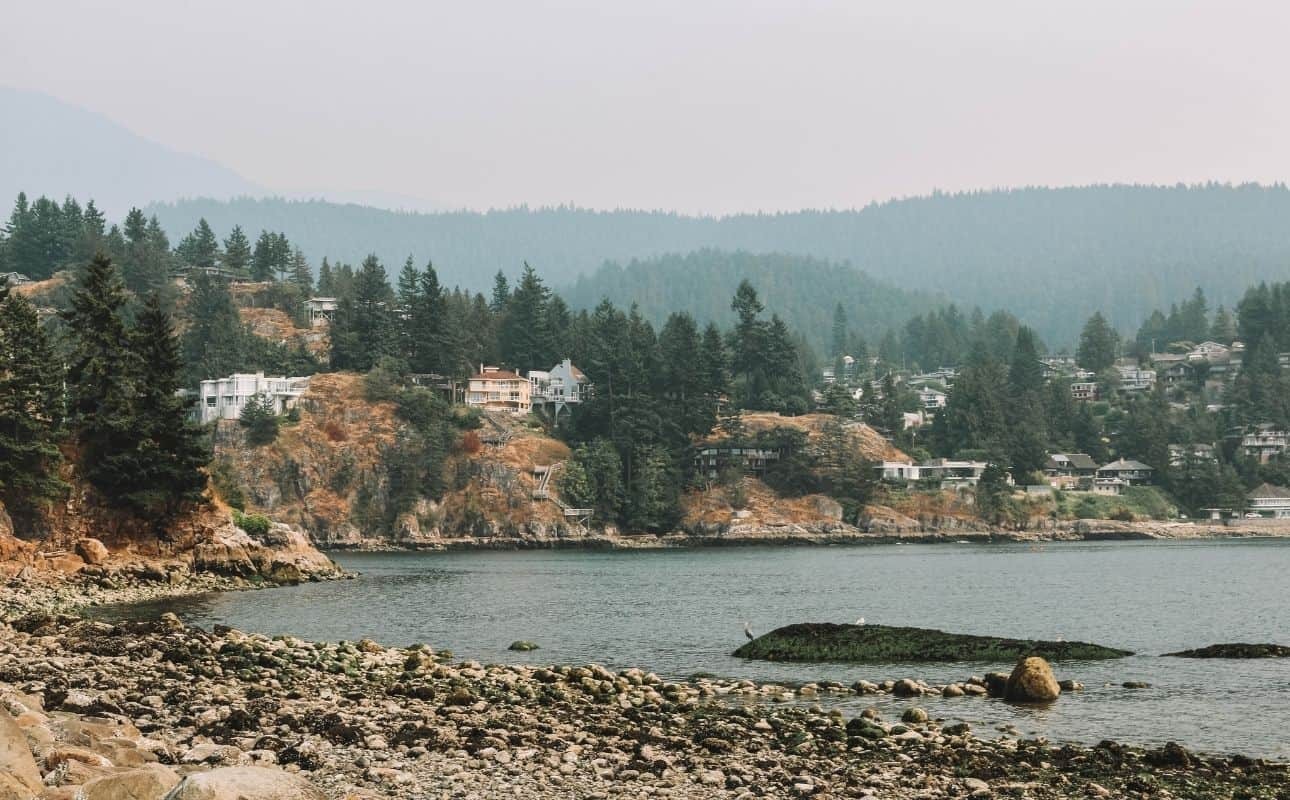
<point x="712" y="507"/>
<point x="35" y="289"/>
<point x="870" y="443"/>
<point x="277" y="326"/>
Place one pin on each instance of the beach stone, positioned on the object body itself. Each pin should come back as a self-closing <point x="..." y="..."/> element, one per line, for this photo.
<point x="146" y="783"/>
<point x="996" y="683"/>
<point x="952" y="690"/>
<point x="914" y="715"/>
<point x="16" y="758"/>
<point x="522" y="646"/>
<point x="906" y="687"/>
<point x="1032" y="681"/>
<point x="91" y="550"/>
<point x="244" y="783"/>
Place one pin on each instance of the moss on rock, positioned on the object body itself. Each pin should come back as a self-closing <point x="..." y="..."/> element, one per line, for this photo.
<point x="1236" y="650"/>
<point x="885" y="644"/>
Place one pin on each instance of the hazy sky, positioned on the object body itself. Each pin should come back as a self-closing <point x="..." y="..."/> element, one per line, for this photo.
<point x="691" y="105"/>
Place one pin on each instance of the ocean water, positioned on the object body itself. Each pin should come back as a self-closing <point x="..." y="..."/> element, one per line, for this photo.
<point x="678" y="612"/>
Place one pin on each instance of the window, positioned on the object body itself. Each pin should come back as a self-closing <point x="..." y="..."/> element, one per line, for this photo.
<point x="210" y="401"/>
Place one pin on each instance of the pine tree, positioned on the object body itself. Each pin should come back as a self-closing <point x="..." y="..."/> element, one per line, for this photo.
<point x="838" y="347"/>
<point x="525" y="339"/>
<point x="301" y="275"/>
<point x="326" y="282"/>
<point x="407" y="299"/>
<point x="749" y="346"/>
<point x="100" y="381"/>
<point x="199" y="248"/>
<point x="215" y="344"/>
<point x="501" y="293"/>
<point x="1098" y="344"/>
<point x="260" y="422"/>
<point x="237" y="250"/>
<point x="364" y="329"/>
<point x="31" y="408"/>
<point x="1029" y="431"/>
<point x="170" y="451"/>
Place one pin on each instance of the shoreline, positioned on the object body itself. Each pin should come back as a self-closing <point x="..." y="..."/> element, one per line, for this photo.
<point x="798" y="536"/>
<point x="361" y="721"/>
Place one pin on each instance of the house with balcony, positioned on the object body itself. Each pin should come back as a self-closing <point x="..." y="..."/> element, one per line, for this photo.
<point x="1070" y="470"/>
<point x="321" y="309"/>
<point x="898" y="471"/>
<point x="1085" y="391"/>
<point x="713" y="459"/>
<point x="1264" y="442"/>
<point x="1127" y="471"/>
<point x="951" y="473"/>
<point x="931" y="399"/>
<point x="1134" y="378"/>
<point x="1269" y="502"/>
<point x="559" y="387"/>
<point x="497" y="389"/>
<point x="224" y="398"/>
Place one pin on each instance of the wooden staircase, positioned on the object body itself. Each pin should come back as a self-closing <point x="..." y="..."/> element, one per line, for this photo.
<point x="582" y="516"/>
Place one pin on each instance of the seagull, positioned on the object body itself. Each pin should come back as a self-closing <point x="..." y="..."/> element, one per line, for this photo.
<point x="860" y="621"/>
<point x="748" y="632"/>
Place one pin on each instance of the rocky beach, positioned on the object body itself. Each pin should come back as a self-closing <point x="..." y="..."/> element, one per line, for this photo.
<point x="146" y="710"/>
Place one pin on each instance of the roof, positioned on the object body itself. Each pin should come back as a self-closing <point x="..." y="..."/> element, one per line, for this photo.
<point x="496" y="375"/>
<point x="1076" y="460"/>
<point x="1268" y="491"/>
<point x="1125" y="464"/>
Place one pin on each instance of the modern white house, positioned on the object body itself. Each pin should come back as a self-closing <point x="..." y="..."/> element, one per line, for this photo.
<point x="1136" y="379"/>
<point x="14" y="278"/>
<point x="931" y="399"/>
<point x="224" y="398"/>
<point x="321" y="309"/>
<point x="898" y="471"/>
<point x="1084" y="390"/>
<point x="562" y="385"/>
<point x="952" y="473"/>
<point x="1265" y="442"/>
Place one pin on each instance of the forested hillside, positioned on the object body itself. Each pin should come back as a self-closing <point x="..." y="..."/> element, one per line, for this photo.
<point x="804" y="291"/>
<point x="1052" y="256"/>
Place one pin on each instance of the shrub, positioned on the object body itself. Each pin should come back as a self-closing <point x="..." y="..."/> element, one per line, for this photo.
<point x="470" y="443"/>
<point x="254" y="524"/>
<point x="334" y="432"/>
<point x="259" y="420"/>
<point x="226" y="485"/>
<point x="1122" y="514"/>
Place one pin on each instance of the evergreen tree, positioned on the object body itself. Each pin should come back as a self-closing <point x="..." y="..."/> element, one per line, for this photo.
<point x="1224" y="328"/>
<point x="1029" y="430"/>
<point x="364" y="329"/>
<point x="199" y="248"/>
<point x="326" y="283"/>
<point x="170" y="451"/>
<point x="501" y="293"/>
<point x="301" y="275"/>
<point x="840" y="334"/>
<point x="31" y="408"/>
<point x="237" y="250"/>
<point x="1098" y="344"/>
<point x="215" y="343"/>
<point x="525" y="338"/>
<point x="259" y="421"/>
<point x="100" y="381"/>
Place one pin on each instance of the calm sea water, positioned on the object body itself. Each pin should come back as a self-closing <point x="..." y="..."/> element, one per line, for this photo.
<point x="682" y="611"/>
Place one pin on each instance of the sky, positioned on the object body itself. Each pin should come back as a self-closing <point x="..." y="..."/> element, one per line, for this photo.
<point x="699" y="106"/>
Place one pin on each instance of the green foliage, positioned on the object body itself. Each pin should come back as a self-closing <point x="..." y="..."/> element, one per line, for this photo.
<point x="1098" y="344"/>
<point x="31" y="408"/>
<point x="224" y="479"/>
<point x="384" y="381"/>
<point x="364" y="328"/>
<point x="259" y="421"/>
<point x="256" y="525"/>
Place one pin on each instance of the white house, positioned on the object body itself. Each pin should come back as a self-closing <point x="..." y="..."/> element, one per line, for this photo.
<point x="14" y="278"/>
<point x="1265" y="442"/>
<point x="1208" y="350"/>
<point x="1269" y="501"/>
<point x="224" y="398"/>
<point x="1136" y="379"/>
<point x="932" y="399"/>
<point x="1084" y="390"/>
<point x="897" y="471"/>
<point x="562" y="385"/>
<point x="953" y="473"/>
<point x="321" y="309"/>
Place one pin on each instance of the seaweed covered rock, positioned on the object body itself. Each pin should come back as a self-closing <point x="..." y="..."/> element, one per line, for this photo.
<point x="1236" y="650"/>
<point x="1032" y="681"/>
<point x="885" y="644"/>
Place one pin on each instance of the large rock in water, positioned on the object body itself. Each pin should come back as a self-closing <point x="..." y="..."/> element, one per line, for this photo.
<point x="245" y="783"/>
<point x="1032" y="681"/>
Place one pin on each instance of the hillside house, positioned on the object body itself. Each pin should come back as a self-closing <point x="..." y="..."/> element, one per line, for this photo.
<point x="562" y="385"/>
<point x="898" y="471"/>
<point x="932" y="400"/>
<point x="1179" y="453"/>
<point x="1176" y="372"/>
<point x="1265" y="442"/>
<point x="1134" y="378"/>
<point x="1268" y="501"/>
<point x="1207" y="351"/>
<point x="952" y="473"/>
<point x="713" y="459"/>
<point x="1069" y="470"/>
<point x="1085" y="391"/>
<point x="14" y="278"/>
<point x="224" y="398"/>
<point x="321" y="309"/>
<point x="1126" y="470"/>
<point x="497" y="389"/>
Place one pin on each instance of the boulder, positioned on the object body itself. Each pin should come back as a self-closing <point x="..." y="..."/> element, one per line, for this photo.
<point x="16" y="759"/>
<point x="13" y="789"/>
<point x="92" y="550"/>
<point x="243" y="783"/>
<point x="522" y="646"/>
<point x="146" y="783"/>
<point x="1032" y="681"/>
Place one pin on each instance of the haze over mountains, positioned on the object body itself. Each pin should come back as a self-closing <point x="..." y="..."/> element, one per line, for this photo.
<point x="1051" y="256"/>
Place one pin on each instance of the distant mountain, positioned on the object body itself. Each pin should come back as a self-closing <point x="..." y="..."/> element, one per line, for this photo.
<point x="52" y="148"/>
<point x="1052" y="256"/>
<point x="802" y="290"/>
